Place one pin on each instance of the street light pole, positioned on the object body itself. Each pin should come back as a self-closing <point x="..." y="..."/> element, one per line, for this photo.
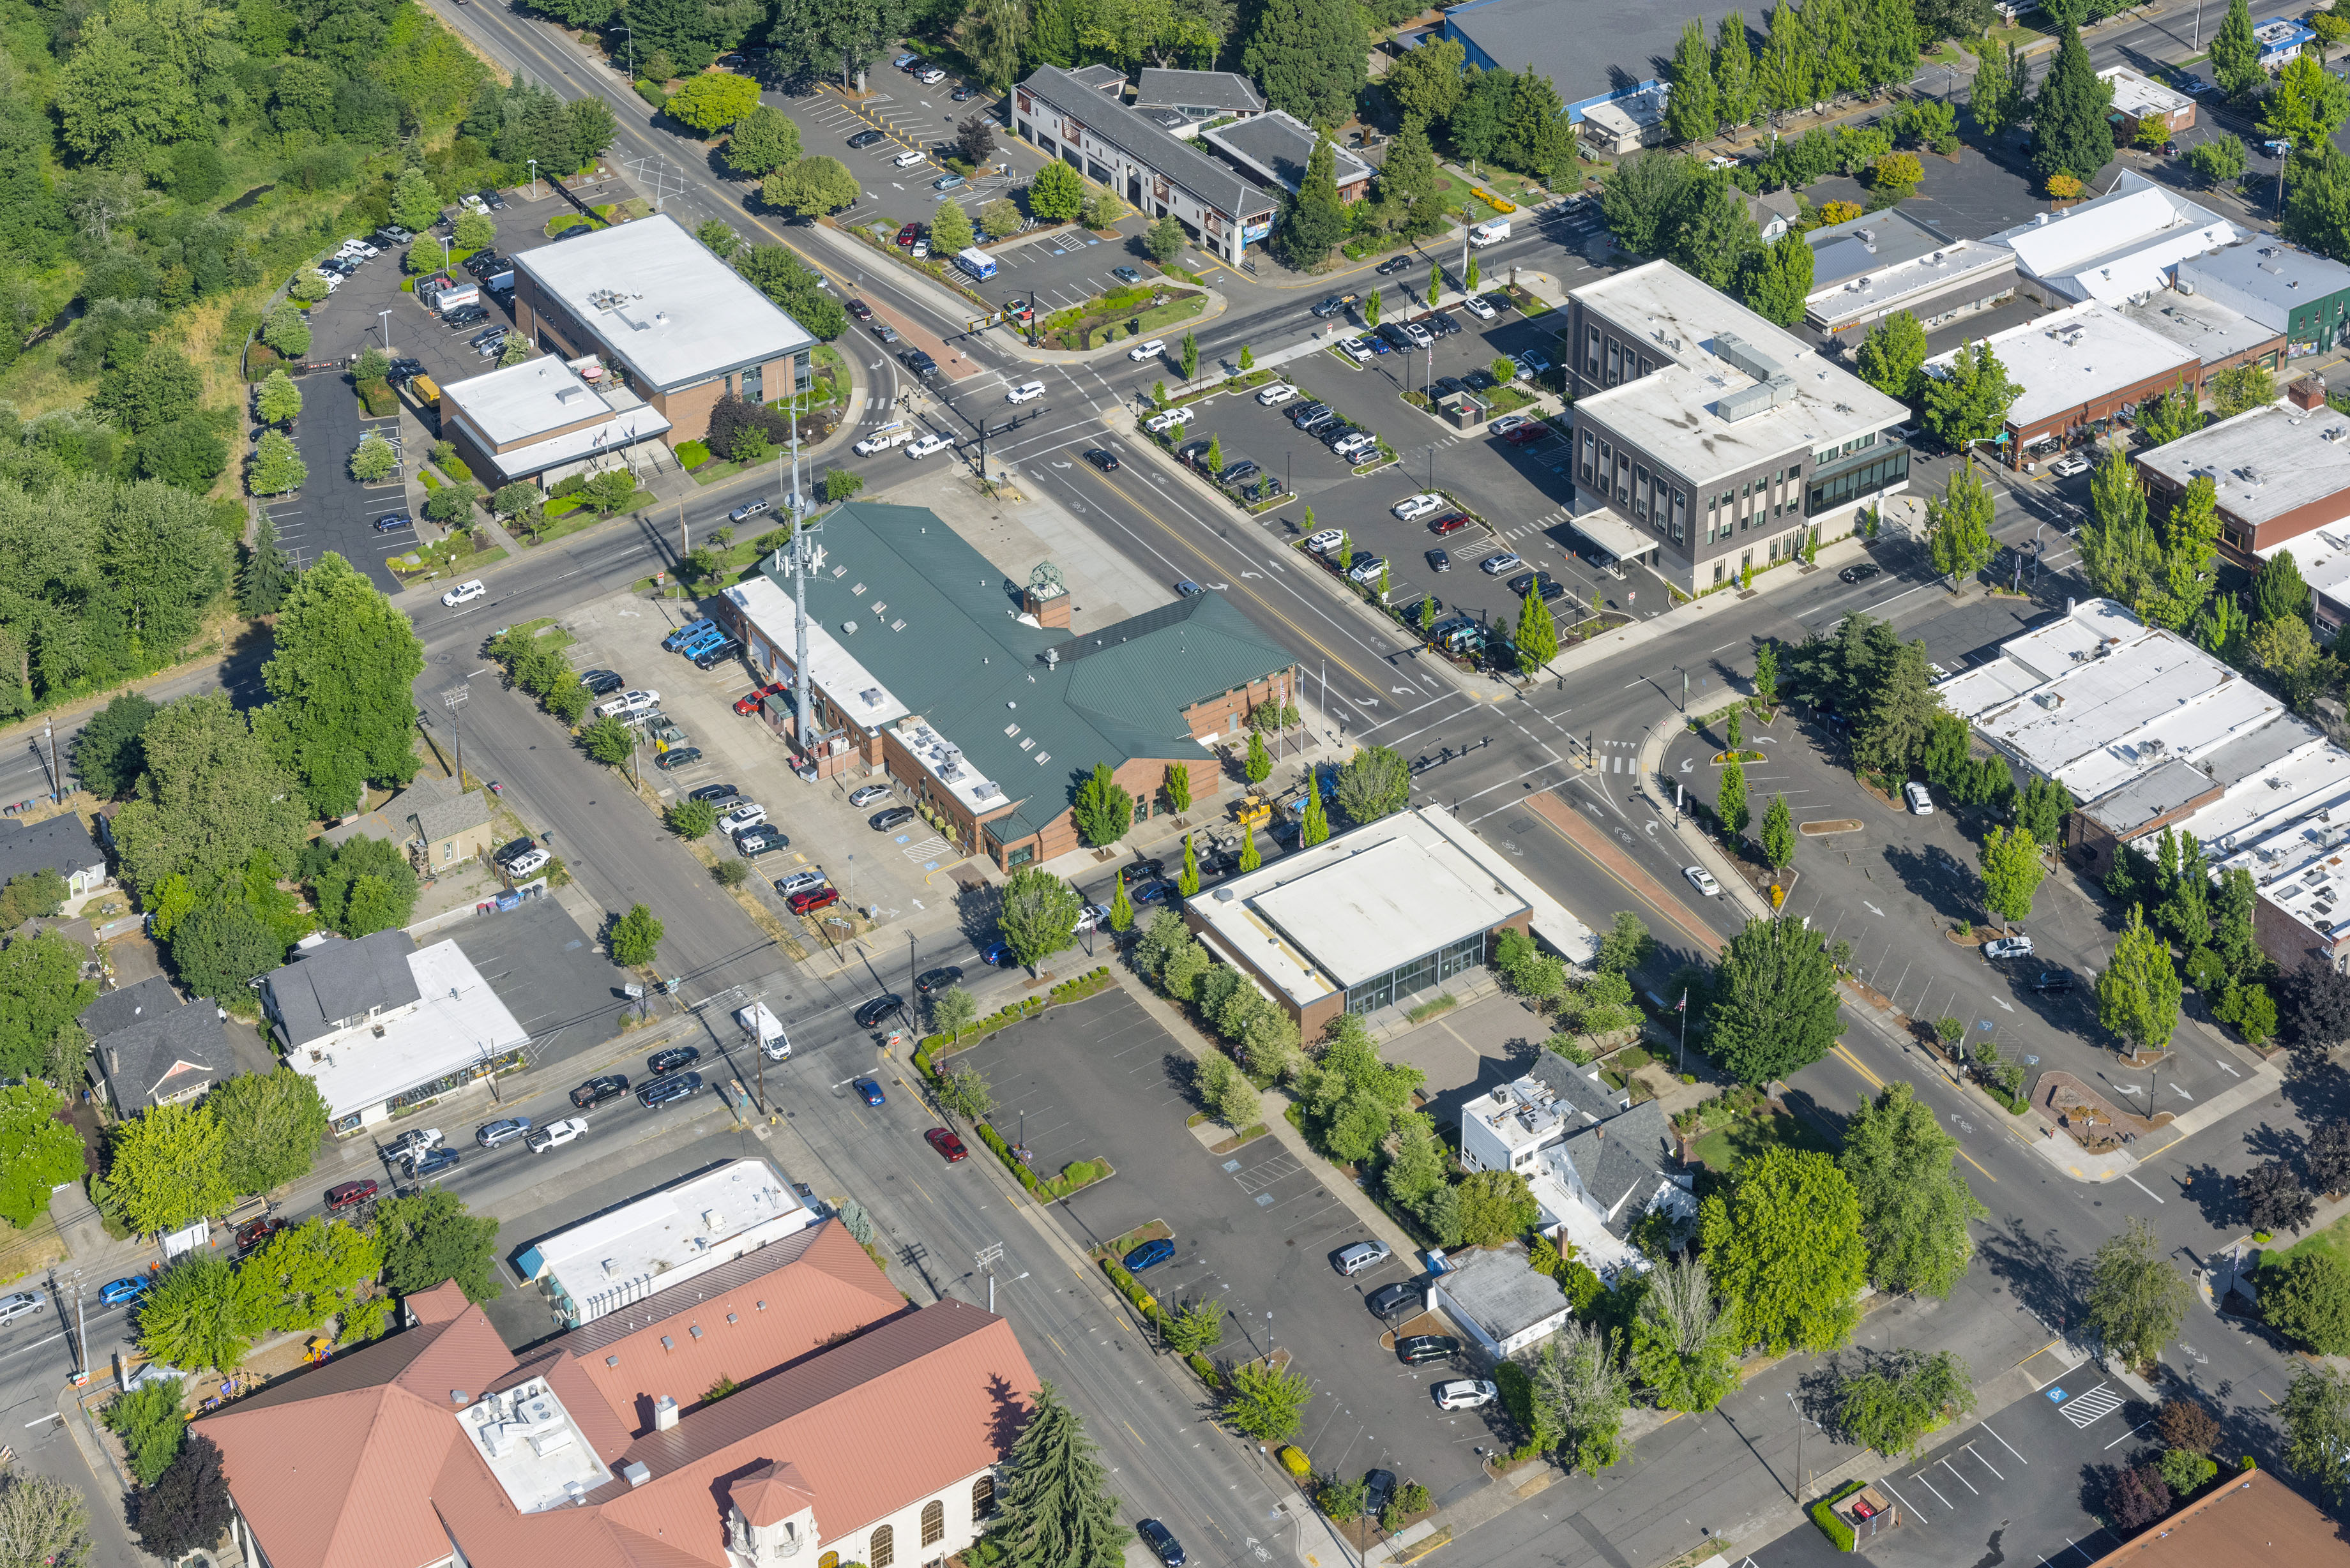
<point x="386" y="316"/>
<point x="534" y="177"/>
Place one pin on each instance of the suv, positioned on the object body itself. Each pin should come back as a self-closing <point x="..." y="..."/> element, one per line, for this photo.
<point x="504" y="1130"/>
<point x="748" y="510"/>
<point x="669" y="1090"/>
<point x="1362" y="1255"/>
<point x="1422" y="1349"/>
<point x="596" y="1091"/>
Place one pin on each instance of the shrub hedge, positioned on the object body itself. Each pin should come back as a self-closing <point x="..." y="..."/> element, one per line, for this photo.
<point x="1832" y="1523"/>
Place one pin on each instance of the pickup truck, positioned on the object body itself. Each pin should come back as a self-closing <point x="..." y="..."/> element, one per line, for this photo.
<point x="555" y="1134"/>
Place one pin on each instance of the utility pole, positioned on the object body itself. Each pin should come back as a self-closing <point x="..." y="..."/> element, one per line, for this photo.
<point x="455" y="700"/>
<point x="57" y="775"/>
<point x="534" y="172"/>
<point x="985" y="1260"/>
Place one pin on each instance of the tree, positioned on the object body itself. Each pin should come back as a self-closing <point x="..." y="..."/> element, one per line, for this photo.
<point x="2308" y="1297"/>
<point x="1537" y="635"/>
<point x="1040" y="914"/>
<point x="1730" y="798"/>
<point x="950" y="229"/>
<point x="277" y="468"/>
<point x="1536" y="138"/>
<point x="167" y="1165"/>
<point x="1225" y="1091"/>
<point x="1896" y="1398"/>
<point x="2278" y="592"/>
<point x="193" y="1318"/>
<point x="1164" y="240"/>
<point x="1179" y="787"/>
<point x="1968" y="399"/>
<point x="2327" y="1156"/>
<point x="272" y="1127"/>
<point x="1055" y="192"/>
<point x="1914" y="1205"/>
<point x="1312" y="822"/>
<point x="343" y="708"/>
<point x="43" y="1523"/>
<point x="1680" y="1343"/>
<point x="1579" y="1381"/>
<point x="430" y="1238"/>
<point x="2183" y="1423"/>
<point x="1054" y="1512"/>
<point x="1899" y="707"/>
<point x="1198" y="1328"/>
<point x="267" y="573"/>
<point x="1265" y="1402"/>
<point x="1309" y="57"/>
<point x="1693" y="110"/>
<point x="1000" y="219"/>
<point x="2235" y="53"/>
<point x="2070" y="132"/>
<point x="278" y="400"/>
<point x="952" y="1011"/>
<point x="2118" y="545"/>
<point x="1187" y="881"/>
<point x="39" y="1151"/>
<point x="1104" y="810"/>
<point x="712" y="101"/>
<point x="1313" y="220"/>
<point x="608" y="741"/>
<point x="1959" y="524"/>
<point x="2316" y="1416"/>
<point x="764" y="140"/>
<point x="1999" y="97"/>
<point x="1715" y="235"/>
<point x="1376" y="782"/>
<point x="188" y="1507"/>
<point x="2274" y="1197"/>
<point x="2137" y="991"/>
<point x="1495" y="1206"/>
<point x="1258" y="765"/>
<point x="1779" y="279"/>
<point x="691" y="819"/>
<point x="2219" y="160"/>
<point x="635" y="938"/>
<point x="1733" y="72"/>
<point x="2243" y="387"/>
<point x="302" y="1276"/>
<point x="1778" y="835"/>
<point x="1785" y="1248"/>
<point x="41" y="992"/>
<point x="2012" y="869"/>
<point x="810" y="186"/>
<point x="966" y="1093"/>
<point x="2136" y="1300"/>
<point x="108" y="756"/>
<point x="1191" y="362"/>
<point x="1774" y="1004"/>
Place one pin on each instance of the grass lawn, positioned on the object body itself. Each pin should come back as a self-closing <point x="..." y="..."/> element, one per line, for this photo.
<point x="559" y="524"/>
<point x="2335" y="1238"/>
<point x="546" y="633"/>
<point x="442" y="561"/>
<point x="1091" y="325"/>
<point x="1722" y="1148"/>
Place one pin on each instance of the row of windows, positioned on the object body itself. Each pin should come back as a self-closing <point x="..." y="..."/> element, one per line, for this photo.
<point x="1857" y="443"/>
<point x="882" y="1549"/>
<point x="1619" y="359"/>
<point x="1854" y="482"/>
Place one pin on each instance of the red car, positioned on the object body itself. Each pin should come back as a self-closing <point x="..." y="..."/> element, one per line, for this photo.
<point x="253" y="1233"/>
<point x="748" y="703"/>
<point x="1525" y="435"/>
<point x="809" y="900"/>
<point x="908" y="235"/>
<point x="349" y="1195"/>
<point x="1451" y="522"/>
<point x="860" y="310"/>
<point x="949" y="1146"/>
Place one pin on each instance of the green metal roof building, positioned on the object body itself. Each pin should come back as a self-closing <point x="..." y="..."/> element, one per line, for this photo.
<point x="969" y="690"/>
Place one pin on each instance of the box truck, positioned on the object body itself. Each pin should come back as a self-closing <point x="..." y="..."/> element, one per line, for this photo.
<point x="1491" y="232"/>
<point x="760" y="1026"/>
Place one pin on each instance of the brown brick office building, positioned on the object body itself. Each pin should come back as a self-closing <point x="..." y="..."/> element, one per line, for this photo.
<point x="2279" y="472"/>
<point x="975" y="698"/>
<point x="672" y="325"/>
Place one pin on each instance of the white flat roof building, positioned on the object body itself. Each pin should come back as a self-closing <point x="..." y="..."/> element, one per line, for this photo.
<point x="663" y="1239"/>
<point x="2279" y="472"/>
<point x="2140" y="96"/>
<point x="2120" y="247"/>
<point x="542" y="413"/>
<point x="2085" y="355"/>
<point x="455" y="1029"/>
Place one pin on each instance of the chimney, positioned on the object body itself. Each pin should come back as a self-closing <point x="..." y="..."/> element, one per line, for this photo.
<point x="664" y="1414"/>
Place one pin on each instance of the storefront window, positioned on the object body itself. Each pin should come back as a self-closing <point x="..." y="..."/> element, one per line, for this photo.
<point x="1398" y="984"/>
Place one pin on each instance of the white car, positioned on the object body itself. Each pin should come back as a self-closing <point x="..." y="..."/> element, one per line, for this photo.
<point x="1280" y="392"/>
<point x="1412" y="508"/>
<point x="1920" y="802"/>
<point x="1475" y="305"/>
<point x="1465" y="1394"/>
<point x="1420" y="336"/>
<point x="1168" y="421"/>
<point x="929" y="74"/>
<point x="906" y="160"/>
<point x="750" y="813"/>
<point x="1026" y="392"/>
<point x="521" y="866"/>
<point x="1494" y="566"/>
<point x="2008" y="947"/>
<point x="1090" y="917"/>
<point x="1367" y="570"/>
<point x="555" y="1134"/>
<point x="628" y="702"/>
<point x="1361" y="440"/>
<point x="927" y="445"/>
<point x="1356" y="348"/>
<point x="2071" y="463"/>
<point x="464" y="593"/>
<point x="1702" y="880"/>
<point x="1142" y="352"/>
<point x="1506" y="423"/>
<point x="1325" y="541"/>
<point x="358" y="248"/>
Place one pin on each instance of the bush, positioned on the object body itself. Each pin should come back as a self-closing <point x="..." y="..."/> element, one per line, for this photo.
<point x="692" y="454"/>
<point x="653" y="94"/>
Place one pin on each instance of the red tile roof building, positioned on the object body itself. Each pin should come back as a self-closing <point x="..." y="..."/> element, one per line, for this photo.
<point x="861" y="1430"/>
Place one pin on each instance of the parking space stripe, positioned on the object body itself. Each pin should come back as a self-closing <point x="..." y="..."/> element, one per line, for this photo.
<point x="2004" y="1442"/>
<point x="1920" y="1478"/>
<point x="1900" y="1499"/>
<point x="1982" y="1461"/>
<point x="1962" y="1481"/>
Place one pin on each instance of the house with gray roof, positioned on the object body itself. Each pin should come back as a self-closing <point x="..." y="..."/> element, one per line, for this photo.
<point x="972" y="691"/>
<point x="333" y="984"/>
<point x="152" y="1049"/>
<point x="1496" y="1295"/>
<point x="1273" y="149"/>
<point x="1115" y="144"/>
<point x="1192" y="98"/>
<point x="60" y="844"/>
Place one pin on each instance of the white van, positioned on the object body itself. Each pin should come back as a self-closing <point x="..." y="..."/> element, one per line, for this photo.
<point x="760" y="1025"/>
<point x="977" y="263"/>
<point x="1026" y="392"/>
<point x="1491" y="232"/>
<point x="896" y="433"/>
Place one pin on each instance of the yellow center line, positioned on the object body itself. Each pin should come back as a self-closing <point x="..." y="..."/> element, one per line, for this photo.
<point x="1971" y="1160"/>
<point x="1129" y="1427"/>
<point x="1852" y="1062"/>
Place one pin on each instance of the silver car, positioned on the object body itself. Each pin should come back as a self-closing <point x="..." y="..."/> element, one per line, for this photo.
<point x="868" y="795"/>
<point x="23" y="1303"/>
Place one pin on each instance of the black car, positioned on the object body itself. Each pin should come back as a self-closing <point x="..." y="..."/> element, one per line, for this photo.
<point x="596" y="1091"/>
<point x="1394" y="264"/>
<point x="880" y="1008"/>
<point x="481" y="264"/>
<point x="1161" y="1541"/>
<point x="599" y="681"/>
<point x="714" y="792"/>
<point x="1101" y="457"/>
<point x="432" y="1162"/>
<point x="493" y="202"/>
<point x="1859" y="573"/>
<point x="1444" y="324"/>
<point x="896" y="816"/>
<point x="1242" y="470"/>
<point x="858" y="308"/>
<point x="1389" y="1299"/>
<point x="866" y="139"/>
<point x="1378" y="1487"/>
<point x="716" y="656"/>
<point x="392" y="522"/>
<point x="464" y="315"/>
<point x="1448" y="385"/>
<point x="938" y="980"/>
<point x="2055" y="981"/>
<point x="1439" y="561"/>
<point x="1422" y="1349"/>
<point x="1480" y="381"/>
<point x="671" y="1060"/>
<point x="403" y="368"/>
<point x="667" y="1091"/>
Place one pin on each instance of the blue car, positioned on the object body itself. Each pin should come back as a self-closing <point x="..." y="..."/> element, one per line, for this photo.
<point x="700" y="645"/>
<point x="1000" y="954"/>
<point x="1149" y="1254"/>
<point x="1152" y="893"/>
<point x="129" y="1288"/>
<point x="686" y="634"/>
<point x="870" y="1090"/>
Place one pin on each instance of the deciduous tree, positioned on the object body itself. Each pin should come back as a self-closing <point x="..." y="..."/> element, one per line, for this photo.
<point x="1785" y="1250"/>
<point x="1958" y="524"/>
<point x="1681" y="1345"/>
<point x="272" y="1127"/>
<point x="810" y="186"/>
<point x="430" y="1238"/>
<point x="1693" y="110"/>
<point x="39" y="1151"/>
<point x="1056" y="191"/>
<point x="1896" y="1398"/>
<point x="2011" y="871"/>
<point x="2274" y="1197"/>
<point x="764" y="140"/>
<point x="2138" y="991"/>
<point x="1968" y="399"/>
<point x="194" y="1317"/>
<point x="1778" y="835"/>
<point x="2136" y="1300"/>
<point x="1376" y="782"/>
<point x="343" y="711"/>
<point x="188" y="1508"/>
<point x="712" y="101"/>
<point x="635" y="938"/>
<point x="2235" y="53"/>
<point x="1310" y="58"/>
<point x="1579" y="1379"/>
<point x="2316" y="1416"/>
<point x="1915" y="1207"/>
<point x="168" y="1165"/>
<point x="1039" y="916"/>
<point x="2308" y="1297"/>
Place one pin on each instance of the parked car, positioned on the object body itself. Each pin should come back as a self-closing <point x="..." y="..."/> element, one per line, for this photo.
<point x="868" y="795"/>
<point x="2055" y="981"/>
<point x="689" y="633"/>
<point x="504" y="1130"/>
<point x="998" y="954"/>
<point x="1161" y="1541"/>
<point x="678" y="757"/>
<point x="750" y="813"/>
<point x="555" y="1134"/>
<point x="949" y="1146"/>
<point x="1389" y="1299"/>
<point x="876" y="1009"/>
<point x="713" y="793"/>
<point x="1439" y="560"/>
<point x="1526" y="434"/>
<point x="866" y="139"/>
<point x="1465" y="1394"/>
<point x="748" y="510"/>
<point x="1479" y="306"/>
<point x="1921" y="803"/>
<point x="669" y="1090"/>
<point x="813" y="899"/>
<point x="1422" y="1349"/>
<point x="1378" y="1490"/>
<point x="895" y="817"/>
<point x="392" y="522"/>
<point x="432" y="1162"/>
<point x="1447" y="526"/>
<point x="1354" y="1260"/>
<point x="1445" y="323"/>
<point x="1412" y="508"/>
<point x="1494" y="566"/>
<point x="129" y="1288"/>
<point x="1148" y="1255"/>
<point x="1366" y="570"/>
<point x="2008" y="947"/>
<point x="798" y="882"/>
<point x="1702" y="880"/>
<point x="716" y="655"/>
<point x="1278" y="393"/>
<point x="596" y="1091"/>
<point x="930" y="981"/>
<point x="753" y="842"/>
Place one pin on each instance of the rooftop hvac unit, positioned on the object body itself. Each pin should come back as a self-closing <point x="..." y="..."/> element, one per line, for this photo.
<point x="2187" y="286"/>
<point x="1745" y="356"/>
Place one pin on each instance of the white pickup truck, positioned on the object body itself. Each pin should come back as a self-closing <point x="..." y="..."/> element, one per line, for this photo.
<point x="895" y="433"/>
<point x="555" y="1134"/>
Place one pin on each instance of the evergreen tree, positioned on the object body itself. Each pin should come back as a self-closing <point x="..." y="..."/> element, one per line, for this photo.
<point x="1892" y="42"/>
<point x="1536" y="138"/>
<point x="1717" y="231"/>
<point x="1692" y="108"/>
<point x="1538" y="632"/>
<point x="1055" y="1512"/>
<point x="1734" y="71"/>
<point x="1408" y="184"/>
<point x="1779" y="278"/>
<point x="1995" y="98"/>
<point x="1310" y="58"/>
<point x="267" y="572"/>
<point x="2070" y="132"/>
<point x="1313" y="220"/>
<point x="2235" y="53"/>
<point x="1314" y="822"/>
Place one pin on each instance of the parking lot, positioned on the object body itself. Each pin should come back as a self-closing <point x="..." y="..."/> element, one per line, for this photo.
<point x="1256" y="1228"/>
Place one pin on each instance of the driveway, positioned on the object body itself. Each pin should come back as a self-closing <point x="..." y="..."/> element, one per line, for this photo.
<point x="1254" y="1227"/>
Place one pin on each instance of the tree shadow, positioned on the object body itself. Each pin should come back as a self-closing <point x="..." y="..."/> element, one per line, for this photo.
<point x="2037" y="1271"/>
<point x="978" y="910"/>
<point x="1934" y="877"/>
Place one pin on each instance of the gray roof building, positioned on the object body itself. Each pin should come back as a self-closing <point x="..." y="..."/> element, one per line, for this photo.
<point x="1274" y="147"/>
<point x="334" y="983"/>
<point x="1106" y="79"/>
<point x="153" y="1049"/>
<point x="1137" y="154"/>
<point x="61" y="843"/>
<point x="2286" y="289"/>
<point x="2279" y="472"/>
<point x="1588" y="48"/>
<point x="1622" y="1162"/>
<point x="1499" y="1298"/>
<point x="440" y="810"/>
<point x="2220" y="335"/>
<point x="1197" y="95"/>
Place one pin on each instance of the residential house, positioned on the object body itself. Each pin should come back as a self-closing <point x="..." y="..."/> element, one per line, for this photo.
<point x="151" y="1049"/>
<point x="60" y="844"/>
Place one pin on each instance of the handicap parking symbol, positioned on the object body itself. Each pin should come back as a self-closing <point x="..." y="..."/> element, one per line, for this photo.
<point x="2055" y="1395"/>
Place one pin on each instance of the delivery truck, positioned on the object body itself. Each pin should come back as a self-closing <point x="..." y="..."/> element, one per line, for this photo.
<point x="763" y="1027"/>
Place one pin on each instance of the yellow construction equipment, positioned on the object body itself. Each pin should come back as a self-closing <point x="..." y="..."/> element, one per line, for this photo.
<point x="1253" y="810"/>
